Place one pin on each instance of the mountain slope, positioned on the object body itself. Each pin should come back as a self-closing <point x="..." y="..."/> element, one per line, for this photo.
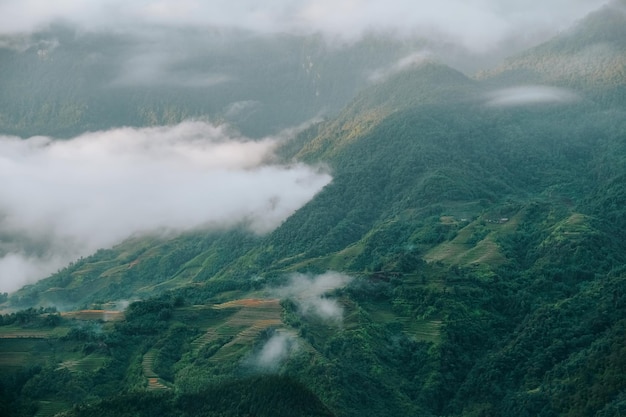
<point x="590" y="57"/>
<point x="467" y="259"/>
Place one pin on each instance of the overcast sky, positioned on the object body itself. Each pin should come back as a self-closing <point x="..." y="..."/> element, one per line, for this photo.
<point x="479" y="25"/>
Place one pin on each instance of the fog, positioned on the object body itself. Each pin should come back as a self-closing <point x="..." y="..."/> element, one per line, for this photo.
<point x="62" y="199"/>
<point x="531" y="94"/>
<point x="310" y="293"/>
<point x="411" y="60"/>
<point x="154" y="69"/>
<point x="478" y="25"/>
<point x="274" y="352"/>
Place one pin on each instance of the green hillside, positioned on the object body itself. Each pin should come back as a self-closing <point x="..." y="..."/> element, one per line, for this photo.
<point x="466" y="260"/>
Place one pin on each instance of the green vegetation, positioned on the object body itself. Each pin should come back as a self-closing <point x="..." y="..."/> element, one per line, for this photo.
<point x="258" y="396"/>
<point x="485" y="247"/>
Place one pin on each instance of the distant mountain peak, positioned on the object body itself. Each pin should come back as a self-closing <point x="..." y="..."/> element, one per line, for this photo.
<point x="591" y="56"/>
<point x="426" y="82"/>
<point x="608" y="24"/>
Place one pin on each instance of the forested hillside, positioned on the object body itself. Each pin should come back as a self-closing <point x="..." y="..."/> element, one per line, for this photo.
<point x="467" y="259"/>
<point x="61" y="82"/>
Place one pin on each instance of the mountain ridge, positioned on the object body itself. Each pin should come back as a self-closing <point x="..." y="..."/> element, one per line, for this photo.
<point x="590" y="57"/>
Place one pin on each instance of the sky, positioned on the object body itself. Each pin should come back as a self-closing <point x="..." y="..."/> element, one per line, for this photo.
<point x="478" y="25"/>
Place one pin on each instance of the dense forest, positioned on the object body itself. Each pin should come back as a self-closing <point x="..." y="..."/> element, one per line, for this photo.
<point x="467" y="259"/>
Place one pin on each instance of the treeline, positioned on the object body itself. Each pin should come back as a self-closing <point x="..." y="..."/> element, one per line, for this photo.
<point x="271" y="396"/>
<point x="42" y="316"/>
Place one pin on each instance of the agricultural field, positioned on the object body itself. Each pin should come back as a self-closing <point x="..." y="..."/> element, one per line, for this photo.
<point x="476" y="244"/>
<point x="96" y="315"/>
<point x="17" y="353"/>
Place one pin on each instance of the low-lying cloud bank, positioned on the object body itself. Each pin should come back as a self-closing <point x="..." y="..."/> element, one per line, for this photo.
<point x="309" y="292"/>
<point x="62" y="199"/>
<point x="529" y="95"/>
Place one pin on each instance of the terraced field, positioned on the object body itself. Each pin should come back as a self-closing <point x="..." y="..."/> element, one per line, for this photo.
<point x="89" y="363"/>
<point x="475" y="244"/>
<point x="203" y="317"/>
<point x="428" y="330"/>
<point x="246" y="319"/>
<point x="257" y="304"/>
<point x="50" y="408"/>
<point x="26" y="346"/>
<point x="95" y="315"/>
<point x="17" y="332"/>
<point x="154" y="382"/>
<point x="228" y="329"/>
<point x="16" y="353"/>
<point x="573" y="228"/>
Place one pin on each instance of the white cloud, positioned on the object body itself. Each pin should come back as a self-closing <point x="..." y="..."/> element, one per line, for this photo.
<point x="71" y="197"/>
<point x="274" y="352"/>
<point x="529" y="95"/>
<point x="17" y="269"/>
<point x="479" y="25"/>
<point x="239" y="108"/>
<point x="402" y="64"/>
<point x="309" y="292"/>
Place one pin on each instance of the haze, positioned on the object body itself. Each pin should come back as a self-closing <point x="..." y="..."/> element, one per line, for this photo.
<point x="309" y="292"/>
<point x="478" y="25"/>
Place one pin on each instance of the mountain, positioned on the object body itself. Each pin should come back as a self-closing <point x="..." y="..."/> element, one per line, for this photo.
<point x="466" y="260"/>
<point x="62" y="81"/>
<point x="591" y="56"/>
